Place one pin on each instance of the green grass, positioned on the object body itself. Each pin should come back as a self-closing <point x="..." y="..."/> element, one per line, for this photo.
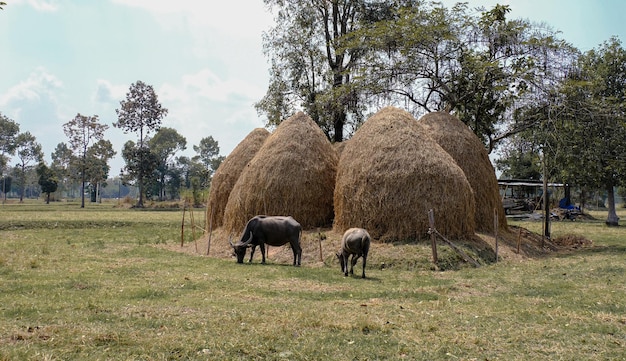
<point x="96" y="284"/>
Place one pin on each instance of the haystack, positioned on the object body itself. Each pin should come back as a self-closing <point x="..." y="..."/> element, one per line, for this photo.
<point x="470" y="154"/>
<point x="292" y="174"/>
<point x="229" y="171"/>
<point x="392" y="173"/>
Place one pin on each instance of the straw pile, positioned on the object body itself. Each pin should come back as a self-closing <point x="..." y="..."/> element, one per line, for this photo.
<point x="470" y="154"/>
<point x="292" y="174"/>
<point x="392" y="173"/>
<point x="229" y="171"/>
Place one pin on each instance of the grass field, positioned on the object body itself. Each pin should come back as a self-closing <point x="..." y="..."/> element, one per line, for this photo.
<point x="97" y="284"/>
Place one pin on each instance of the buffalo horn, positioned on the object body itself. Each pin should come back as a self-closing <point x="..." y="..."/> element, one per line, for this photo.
<point x="247" y="243"/>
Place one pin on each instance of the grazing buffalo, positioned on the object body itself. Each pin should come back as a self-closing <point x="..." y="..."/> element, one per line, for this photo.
<point x="271" y="230"/>
<point x="355" y="242"/>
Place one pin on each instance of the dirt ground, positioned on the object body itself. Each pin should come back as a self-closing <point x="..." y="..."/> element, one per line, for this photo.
<point x="320" y="245"/>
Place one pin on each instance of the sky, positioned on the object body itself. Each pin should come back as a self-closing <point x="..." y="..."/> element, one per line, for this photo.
<point x="204" y="59"/>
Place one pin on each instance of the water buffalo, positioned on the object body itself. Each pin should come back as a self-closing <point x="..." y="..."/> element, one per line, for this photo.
<point x="270" y="230"/>
<point x="355" y="242"/>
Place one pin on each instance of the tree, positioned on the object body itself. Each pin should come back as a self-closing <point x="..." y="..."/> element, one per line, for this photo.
<point x="8" y="131"/>
<point x="97" y="171"/>
<point x="5" y="185"/>
<point x="165" y="143"/>
<point x="589" y="140"/>
<point x="27" y="151"/>
<point x="61" y="160"/>
<point x="481" y="67"/>
<point x="138" y="161"/>
<point x="310" y="66"/>
<point x="520" y="160"/>
<point x="47" y="180"/>
<point x="140" y="113"/>
<point x="83" y="131"/>
<point x="208" y="154"/>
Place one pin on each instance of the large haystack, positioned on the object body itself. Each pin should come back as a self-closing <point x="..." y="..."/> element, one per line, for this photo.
<point x="470" y="154"/>
<point x="292" y="174"/>
<point x="229" y="171"/>
<point x="391" y="173"/>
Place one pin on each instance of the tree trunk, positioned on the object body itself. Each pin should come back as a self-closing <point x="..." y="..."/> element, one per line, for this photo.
<point x="140" y="175"/>
<point x="612" y="219"/>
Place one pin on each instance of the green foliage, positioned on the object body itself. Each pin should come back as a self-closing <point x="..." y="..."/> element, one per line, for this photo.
<point x="47" y="180"/>
<point x="588" y="138"/>
<point x="28" y="151"/>
<point x="8" y="131"/>
<point x="164" y="145"/>
<point x="310" y="66"/>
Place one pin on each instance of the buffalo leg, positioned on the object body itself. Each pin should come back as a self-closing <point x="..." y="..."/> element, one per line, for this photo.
<point x="262" y="247"/>
<point x="364" y="262"/>
<point x="355" y="258"/>
<point x="297" y="255"/>
<point x="252" y="249"/>
<point x="344" y="264"/>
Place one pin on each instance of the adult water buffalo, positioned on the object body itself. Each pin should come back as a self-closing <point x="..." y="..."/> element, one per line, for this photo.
<point x="272" y="230"/>
<point x="355" y="242"/>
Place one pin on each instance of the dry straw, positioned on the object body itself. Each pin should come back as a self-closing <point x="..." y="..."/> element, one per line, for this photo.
<point x="229" y="171"/>
<point x="391" y="173"/>
<point x="470" y="154"/>
<point x="292" y="174"/>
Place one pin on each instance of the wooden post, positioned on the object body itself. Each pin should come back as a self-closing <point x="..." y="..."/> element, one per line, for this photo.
<point x="182" y="226"/>
<point x="431" y="230"/>
<point x="321" y="254"/>
<point x="320" y="238"/>
<point x="458" y="250"/>
<point x="546" y="206"/>
<point x="495" y="230"/>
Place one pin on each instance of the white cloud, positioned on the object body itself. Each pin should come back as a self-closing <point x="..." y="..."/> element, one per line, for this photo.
<point x="39" y="5"/>
<point x="109" y="93"/>
<point x="203" y="104"/>
<point x="214" y="27"/>
<point x="40" y="88"/>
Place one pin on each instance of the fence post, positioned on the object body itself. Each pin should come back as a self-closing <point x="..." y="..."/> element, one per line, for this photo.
<point x="495" y="230"/>
<point x="182" y="225"/>
<point x="431" y="231"/>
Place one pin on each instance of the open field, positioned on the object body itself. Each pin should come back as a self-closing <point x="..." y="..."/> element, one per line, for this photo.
<point x="104" y="283"/>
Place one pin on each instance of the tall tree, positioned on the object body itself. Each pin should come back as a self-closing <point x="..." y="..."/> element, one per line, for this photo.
<point x="165" y="144"/>
<point x="8" y="131"/>
<point x="47" y="180"/>
<point x="479" y="65"/>
<point x="589" y="141"/>
<point x="28" y="151"/>
<point x="83" y="131"/>
<point x="140" y="113"/>
<point x="310" y="66"/>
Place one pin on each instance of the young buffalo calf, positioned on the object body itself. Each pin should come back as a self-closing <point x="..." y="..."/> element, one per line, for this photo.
<point x="355" y="242"/>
